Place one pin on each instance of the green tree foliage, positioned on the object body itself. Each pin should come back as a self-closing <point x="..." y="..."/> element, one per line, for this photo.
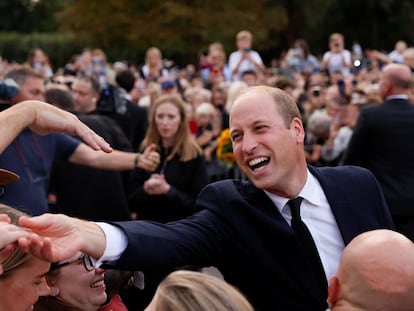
<point x="182" y="29"/>
<point x="179" y="27"/>
<point x="30" y="15"/>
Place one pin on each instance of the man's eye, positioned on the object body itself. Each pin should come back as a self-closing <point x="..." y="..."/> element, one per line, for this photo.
<point x="235" y="137"/>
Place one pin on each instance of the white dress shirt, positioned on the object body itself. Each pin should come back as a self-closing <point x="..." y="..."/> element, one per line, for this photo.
<point x="316" y="213"/>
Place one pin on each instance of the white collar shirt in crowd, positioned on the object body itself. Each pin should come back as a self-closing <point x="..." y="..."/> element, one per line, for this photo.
<point x="317" y="214"/>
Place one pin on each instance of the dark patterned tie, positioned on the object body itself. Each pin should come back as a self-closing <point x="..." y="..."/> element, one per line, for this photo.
<point x="307" y="242"/>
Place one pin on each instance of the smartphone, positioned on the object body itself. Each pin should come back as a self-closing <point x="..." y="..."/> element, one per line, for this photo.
<point x="341" y="87"/>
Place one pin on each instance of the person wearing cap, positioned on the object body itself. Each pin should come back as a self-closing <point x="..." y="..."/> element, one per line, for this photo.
<point x="168" y="87"/>
<point x="9" y="233"/>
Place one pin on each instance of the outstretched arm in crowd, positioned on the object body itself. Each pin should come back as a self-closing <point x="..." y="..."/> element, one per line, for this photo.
<point x="43" y="119"/>
<point x="58" y="237"/>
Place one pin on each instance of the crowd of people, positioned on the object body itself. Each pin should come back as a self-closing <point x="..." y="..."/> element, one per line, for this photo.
<point x="328" y="131"/>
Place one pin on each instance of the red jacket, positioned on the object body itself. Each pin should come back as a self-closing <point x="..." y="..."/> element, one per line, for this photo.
<point x="115" y="304"/>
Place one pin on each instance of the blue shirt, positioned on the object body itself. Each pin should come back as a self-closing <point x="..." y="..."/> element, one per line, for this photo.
<point x="31" y="156"/>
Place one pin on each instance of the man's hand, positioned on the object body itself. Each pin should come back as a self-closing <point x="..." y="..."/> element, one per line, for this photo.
<point x="9" y="235"/>
<point x="44" y="118"/>
<point x="58" y="237"/>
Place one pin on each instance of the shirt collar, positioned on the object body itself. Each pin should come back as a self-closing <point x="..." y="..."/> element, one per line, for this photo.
<point x="309" y="193"/>
<point x="397" y="96"/>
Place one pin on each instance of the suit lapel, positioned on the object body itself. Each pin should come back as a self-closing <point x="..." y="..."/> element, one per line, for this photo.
<point x="337" y="201"/>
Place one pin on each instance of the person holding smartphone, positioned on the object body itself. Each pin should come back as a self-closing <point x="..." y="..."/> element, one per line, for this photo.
<point x="244" y="58"/>
<point x="337" y="58"/>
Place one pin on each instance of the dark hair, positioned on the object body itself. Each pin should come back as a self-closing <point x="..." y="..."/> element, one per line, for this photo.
<point x="95" y="86"/>
<point x="125" y="79"/>
<point x="60" y="98"/>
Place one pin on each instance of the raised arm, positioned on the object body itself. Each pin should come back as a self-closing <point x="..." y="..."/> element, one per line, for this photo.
<point x="43" y="119"/>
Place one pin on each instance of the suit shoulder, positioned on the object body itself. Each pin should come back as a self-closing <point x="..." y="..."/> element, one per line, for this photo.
<point x="349" y="172"/>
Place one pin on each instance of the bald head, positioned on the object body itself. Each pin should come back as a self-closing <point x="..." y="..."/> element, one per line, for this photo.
<point x="396" y="79"/>
<point x="376" y="272"/>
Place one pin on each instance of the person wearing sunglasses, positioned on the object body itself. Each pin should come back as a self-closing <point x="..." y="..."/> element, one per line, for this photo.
<point x="75" y="284"/>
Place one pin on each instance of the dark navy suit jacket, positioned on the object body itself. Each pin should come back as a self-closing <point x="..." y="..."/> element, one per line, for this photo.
<point x="383" y="142"/>
<point x="239" y="230"/>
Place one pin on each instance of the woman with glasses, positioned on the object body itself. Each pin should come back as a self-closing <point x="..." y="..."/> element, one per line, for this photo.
<point x="22" y="280"/>
<point x="75" y="284"/>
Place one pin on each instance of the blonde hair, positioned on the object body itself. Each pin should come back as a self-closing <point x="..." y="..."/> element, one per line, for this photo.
<point x="244" y="34"/>
<point x="205" y="109"/>
<point x="184" y="144"/>
<point x="189" y="290"/>
<point x="234" y="89"/>
<point x="336" y="36"/>
<point x="18" y="257"/>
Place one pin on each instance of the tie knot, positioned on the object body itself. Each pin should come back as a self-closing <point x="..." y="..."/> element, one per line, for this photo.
<point x="294" y="205"/>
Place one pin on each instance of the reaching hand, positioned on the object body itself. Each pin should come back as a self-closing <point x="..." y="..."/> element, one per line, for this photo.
<point x="9" y="234"/>
<point x="50" y="119"/>
<point x="43" y="119"/>
<point x="59" y="237"/>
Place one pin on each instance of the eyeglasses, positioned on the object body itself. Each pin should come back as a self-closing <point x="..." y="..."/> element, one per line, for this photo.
<point x="1" y="191"/>
<point x="84" y="259"/>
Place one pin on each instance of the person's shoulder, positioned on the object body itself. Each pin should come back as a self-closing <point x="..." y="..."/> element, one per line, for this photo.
<point x="236" y="53"/>
<point x="228" y="188"/>
<point x="343" y="172"/>
<point x="224" y="185"/>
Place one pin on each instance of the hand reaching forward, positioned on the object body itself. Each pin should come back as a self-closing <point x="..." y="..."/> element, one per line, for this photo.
<point x="43" y="119"/>
<point x="58" y="237"/>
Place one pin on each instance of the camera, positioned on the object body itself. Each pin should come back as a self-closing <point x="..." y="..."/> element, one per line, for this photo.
<point x="316" y="93"/>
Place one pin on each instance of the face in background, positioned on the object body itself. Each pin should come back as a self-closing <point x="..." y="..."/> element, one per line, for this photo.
<point x="84" y="97"/>
<point x="243" y="43"/>
<point x="32" y="89"/>
<point x="203" y="119"/>
<point x="336" y="44"/>
<point x="21" y="289"/>
<point x="167" y="120"/>
<point x="77" y="286"/>
<point x="266" y="150"/>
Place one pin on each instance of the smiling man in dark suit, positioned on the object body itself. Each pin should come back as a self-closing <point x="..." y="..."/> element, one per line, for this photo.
<point x="382" y="141"/>
<point x="244" y="227"/>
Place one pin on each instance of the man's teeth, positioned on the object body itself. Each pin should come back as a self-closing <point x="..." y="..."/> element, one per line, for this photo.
<point x="257" y="161"/>
<point x="97" y="284"/>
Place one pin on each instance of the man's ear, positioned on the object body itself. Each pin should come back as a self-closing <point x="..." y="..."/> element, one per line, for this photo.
<point x="333" y="291"/>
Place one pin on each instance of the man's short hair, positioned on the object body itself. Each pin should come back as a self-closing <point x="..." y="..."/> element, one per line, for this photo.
<point x="125" y="79"/>
<point x="20" y="74"/>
